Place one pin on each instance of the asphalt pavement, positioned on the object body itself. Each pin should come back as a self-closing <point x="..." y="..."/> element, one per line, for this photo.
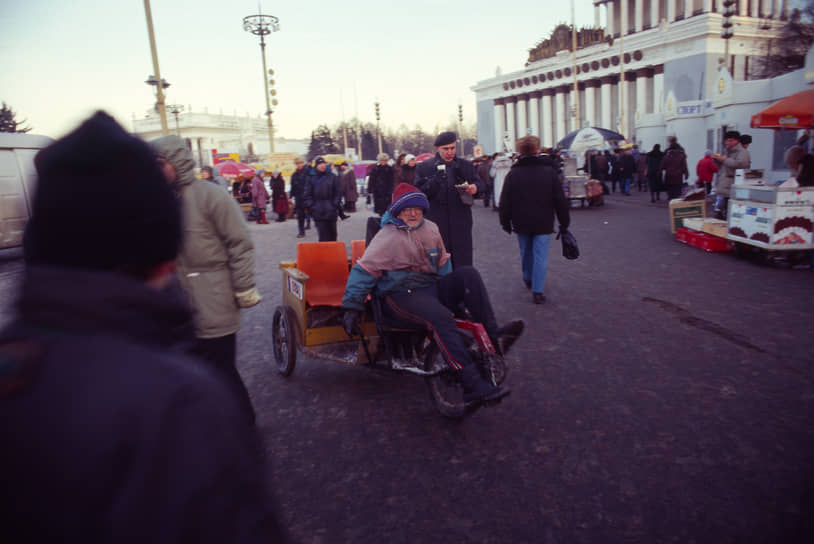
<point x="661" y="394"/>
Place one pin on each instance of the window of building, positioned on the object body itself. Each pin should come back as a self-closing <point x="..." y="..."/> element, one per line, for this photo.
<point x="783" y="139"/>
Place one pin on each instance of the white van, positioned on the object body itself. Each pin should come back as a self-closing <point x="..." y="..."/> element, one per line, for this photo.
<point x="18" y="178"/>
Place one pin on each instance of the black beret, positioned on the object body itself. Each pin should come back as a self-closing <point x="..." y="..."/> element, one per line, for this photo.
<point x="101" y="202"/>
<point x="445" y="138"/>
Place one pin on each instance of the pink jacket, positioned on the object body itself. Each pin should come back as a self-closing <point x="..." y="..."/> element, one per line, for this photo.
<point x="259" y="193"/>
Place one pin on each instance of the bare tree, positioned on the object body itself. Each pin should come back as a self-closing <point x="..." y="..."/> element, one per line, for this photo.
<point x="787" y="52"/>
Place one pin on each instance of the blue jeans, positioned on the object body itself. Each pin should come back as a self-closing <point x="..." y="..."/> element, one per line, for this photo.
<point x="534" y="258"/>
<point x="626" y="182"/>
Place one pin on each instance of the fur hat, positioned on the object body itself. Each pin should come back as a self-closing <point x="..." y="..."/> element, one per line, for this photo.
<point x="732" y="134"/>
<point x="407" y="196"/>
<point x="746" y="139"/>
<point x="445" y="138"/>
<point x="102" y="202"/>
<point x="408" y="158"/>
<point x="382" y="157"/>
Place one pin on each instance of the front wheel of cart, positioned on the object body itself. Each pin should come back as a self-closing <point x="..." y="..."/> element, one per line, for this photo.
<point x="284" y="340"/>
<point x="446" y="389"/>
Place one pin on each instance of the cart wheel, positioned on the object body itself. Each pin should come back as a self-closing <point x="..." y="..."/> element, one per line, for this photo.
<point x="284" y="340"/>
<point x="446" y="389"/>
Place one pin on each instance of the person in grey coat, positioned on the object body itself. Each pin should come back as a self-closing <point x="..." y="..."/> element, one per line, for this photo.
<point x="736" y="157"/>
<point x="216" y="264"/>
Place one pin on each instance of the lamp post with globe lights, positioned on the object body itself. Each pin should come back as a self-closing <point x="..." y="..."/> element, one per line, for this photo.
<point x="175" y="109"/>
<point x="263" y="25"/>
<point x="156" y="79"/>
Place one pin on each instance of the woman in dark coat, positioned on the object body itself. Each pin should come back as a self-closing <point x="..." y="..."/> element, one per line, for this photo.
<point x="279" y="200"/>
<point x="654" y="173"/>
<point x="407" y="172"/>
<point x="531" y="195"/>
<point x="380" y="184"/>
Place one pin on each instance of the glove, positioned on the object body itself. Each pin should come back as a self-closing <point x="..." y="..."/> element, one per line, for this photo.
<point x="248" y="298"/>
<point x="350" y="321"/>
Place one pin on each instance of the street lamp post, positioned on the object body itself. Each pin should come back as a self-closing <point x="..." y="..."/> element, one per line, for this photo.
<point x="263" y="25"/>
<point x="378" y="132"/>
<point x="156" y="79"/>
<point x="461" y="127"/>
<point x="175" y="109"/>
<point x="727" y="30"/>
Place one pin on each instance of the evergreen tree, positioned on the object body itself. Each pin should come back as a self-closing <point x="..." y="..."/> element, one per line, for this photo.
<point x="8" y="122"/>
<point x="322" y="143"/>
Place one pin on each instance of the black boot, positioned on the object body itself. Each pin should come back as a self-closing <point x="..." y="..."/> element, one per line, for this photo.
<point x="504" y="337"/>
<point x="477" y="390"/>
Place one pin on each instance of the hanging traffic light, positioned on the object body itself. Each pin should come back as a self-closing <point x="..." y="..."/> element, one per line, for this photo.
<point x="730" y="9"/>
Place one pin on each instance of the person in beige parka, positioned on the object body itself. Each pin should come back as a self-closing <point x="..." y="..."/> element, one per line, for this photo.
<point x="216" y="264"/>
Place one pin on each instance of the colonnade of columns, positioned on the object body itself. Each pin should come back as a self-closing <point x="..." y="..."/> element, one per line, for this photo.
<point x="638" y="15"/>
<point x="546" y="113"/>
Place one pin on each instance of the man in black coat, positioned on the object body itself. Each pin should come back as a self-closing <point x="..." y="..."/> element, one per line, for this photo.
<point x="298" y="181"/>
<point x="323" y="195"/>
<point x="380" y="184"/>
<point x="531" y="195"/>
<point x="109" y="432"/>
<point x="451" y="184"/>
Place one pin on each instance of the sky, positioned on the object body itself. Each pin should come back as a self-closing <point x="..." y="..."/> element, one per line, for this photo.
<point x="62" y="59"/>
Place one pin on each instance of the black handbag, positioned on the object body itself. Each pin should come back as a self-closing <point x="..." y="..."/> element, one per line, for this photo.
<point x="570" y="250"/>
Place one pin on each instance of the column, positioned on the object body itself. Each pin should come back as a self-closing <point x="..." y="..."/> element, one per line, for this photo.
<point x="655" y="16"/>
<point x="707" y="6"/>
<point x="559" y="115"/>
<point x="638" y="17"/>
<point x="534" y="112"/>
<point x="743" y="8"/>
<point x="671" y="11"/>
<point x="522" y="102"/>
<point x="658" y="89"/>
<point x="630" y="103"/>
<point x="641" y="92"/>
<point x="500" y="127"/>
<point x="688" y="8"/>
<point x="623" y="22"/>
<point x="754" y="11"/>
<point x="605" y="102"/>
<point x="547" y="119"/>
<point x="596" y="15"/>
<point x="590" y="102"/>
<point x="609" y="27"/>
<point x="777" y="9"/>
<point x="510" y="100"/>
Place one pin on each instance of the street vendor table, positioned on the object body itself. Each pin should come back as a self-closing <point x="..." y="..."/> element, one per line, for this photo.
<point x="771" y="218"/>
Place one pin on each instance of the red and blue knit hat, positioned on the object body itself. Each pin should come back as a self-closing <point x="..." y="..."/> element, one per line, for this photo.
<point x="407" y="196"/>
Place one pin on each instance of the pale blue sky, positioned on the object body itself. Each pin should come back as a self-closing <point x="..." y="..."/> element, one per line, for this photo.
<point x="62" y="59"/>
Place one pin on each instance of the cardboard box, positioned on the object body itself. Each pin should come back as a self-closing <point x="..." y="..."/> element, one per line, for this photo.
<point x="715" y="227"/>
<point x="694" y="223"/>
<point x="681" y="210"/>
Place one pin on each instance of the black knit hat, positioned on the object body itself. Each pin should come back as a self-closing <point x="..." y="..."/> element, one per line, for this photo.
<point x="101" y="202"/>
<point x="445" y="138"/>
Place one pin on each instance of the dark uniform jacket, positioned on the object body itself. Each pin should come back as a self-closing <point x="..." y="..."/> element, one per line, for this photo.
<point x="109" y="433"/>
<point x="380" y="184"/>
<point x="447" y="210"/>
<point x="323" y="194"/>
<point x="532" y="194"/>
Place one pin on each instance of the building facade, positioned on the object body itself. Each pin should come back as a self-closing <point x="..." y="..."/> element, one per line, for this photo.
<point x="654" y="65"/>
<point x="205" y="131"/>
